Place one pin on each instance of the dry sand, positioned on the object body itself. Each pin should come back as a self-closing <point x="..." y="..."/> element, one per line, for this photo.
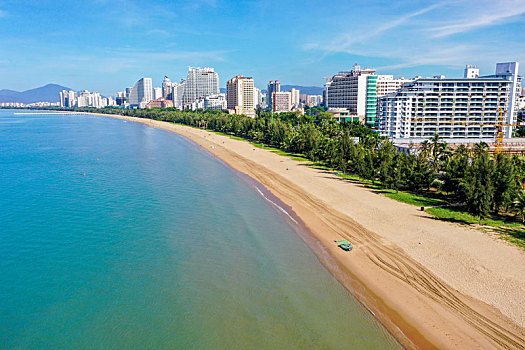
<point x="433" y="284"/>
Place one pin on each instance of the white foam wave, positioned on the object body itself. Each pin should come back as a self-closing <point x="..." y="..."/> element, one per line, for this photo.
<point x="279" y="207"/>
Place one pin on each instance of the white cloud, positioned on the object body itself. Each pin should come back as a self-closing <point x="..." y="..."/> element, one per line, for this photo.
<point x="481" y="14"/>
<point x="424" y="37"/>
<point x="346" y="41"/>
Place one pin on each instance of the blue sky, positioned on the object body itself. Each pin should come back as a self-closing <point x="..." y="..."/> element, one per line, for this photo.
<point x="106" y="45"/>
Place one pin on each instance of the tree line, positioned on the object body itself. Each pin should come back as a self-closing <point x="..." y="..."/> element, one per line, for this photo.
<point x="484" y="182"/>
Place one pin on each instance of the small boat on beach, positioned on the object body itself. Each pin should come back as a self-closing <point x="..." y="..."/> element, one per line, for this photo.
<point x="345" y="245"/>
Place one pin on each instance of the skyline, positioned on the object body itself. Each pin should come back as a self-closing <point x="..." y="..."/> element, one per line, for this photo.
<point x="106" y="46"/>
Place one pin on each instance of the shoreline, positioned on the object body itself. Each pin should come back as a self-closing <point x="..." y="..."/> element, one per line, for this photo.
<point x="416" y="306"/>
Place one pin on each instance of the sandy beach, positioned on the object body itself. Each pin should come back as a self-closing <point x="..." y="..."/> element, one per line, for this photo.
<point x="433" y="284"/>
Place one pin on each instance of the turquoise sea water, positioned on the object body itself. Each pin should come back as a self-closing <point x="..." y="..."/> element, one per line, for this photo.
<point x="117" y="235"/>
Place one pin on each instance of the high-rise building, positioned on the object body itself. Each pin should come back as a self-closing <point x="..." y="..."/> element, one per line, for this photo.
<point x="356" y="91"/>
<point x="68" y="98"/>
<point x="141" y="93"/>
<point x="294" y="93"/>
<point x="257" y="98"/>
<point x="200" y="82"/>
<point x="273" y="86"/>
<point x="314" y="100"/>
<point x="157" y="93"/>
<point x="282" y="101"/>
<point x="84" y="98"/>
<point x="89" y="99"/>
<point x="239" y="94"/>
<point x="177" y="92"/>
<point x="453" y="108"/>
<point x="167" y="86"/>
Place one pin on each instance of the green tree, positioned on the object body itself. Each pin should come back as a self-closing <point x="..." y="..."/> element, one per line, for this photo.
<point x="503" y="181"/>
<point x="478" y="185"/>
<point x="519" y="205"/>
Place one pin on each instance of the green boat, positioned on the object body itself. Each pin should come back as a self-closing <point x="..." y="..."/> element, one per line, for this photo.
<point x="345" y="245"/>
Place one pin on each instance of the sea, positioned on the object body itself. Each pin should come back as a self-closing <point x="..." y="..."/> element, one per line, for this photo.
<point x="117" y="235"/>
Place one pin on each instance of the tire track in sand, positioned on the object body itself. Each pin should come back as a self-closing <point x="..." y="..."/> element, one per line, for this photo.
<point x="387" y="257"/>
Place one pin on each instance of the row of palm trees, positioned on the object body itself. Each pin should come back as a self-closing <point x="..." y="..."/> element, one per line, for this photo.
<point x="485" y="183"/>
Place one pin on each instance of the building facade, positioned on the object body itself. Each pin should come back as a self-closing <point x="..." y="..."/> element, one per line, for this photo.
<point x="157" y="93"/>
<point x="200" y="82"/>
<point x="161" y="102"/>
<point x="458" y="108"/>
<point x="257" y="98"/>
<point x="141" y="93"/>
<point x="281" y="101"/>
<point x="386" y="84"/>
<point x="177" y="92"/>
<point x="215" y="102"/>
<point x="273" y="86"/>
<point x="167" y="87"/>
<point x="240" y="95"/>
<point x="68" y="98"/>
<point x="295" y="96"/>
<point x="356" y="91"/>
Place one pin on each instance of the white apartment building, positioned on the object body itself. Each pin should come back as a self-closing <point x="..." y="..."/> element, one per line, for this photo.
<point x="314" y="100"/>
<point x="521" y="99"/>
<point x="282" y="101"/>
<point x="84" y="98"/>
<point x="141" y="93"/>
<point x="68" y="98"/>
<point x="386" y="84"/>
<point x="167" y="87"/>
<point x="296" y="101"/>
<point x="157" y="93"/>
<point x="200" y="82"/>
<point x="257" y="98"/>
<point x="214" y="102"/>
<point x="240" y="95"/>
<point x="89" y="99"/>
<point x="453" y="108"/>
<point x="177" y="92"/>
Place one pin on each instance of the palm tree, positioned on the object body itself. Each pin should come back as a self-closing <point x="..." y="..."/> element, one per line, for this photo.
<point x="480" y="148"/>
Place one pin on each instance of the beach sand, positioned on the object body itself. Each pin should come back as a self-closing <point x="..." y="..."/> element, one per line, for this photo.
<point x="433" y="284"/>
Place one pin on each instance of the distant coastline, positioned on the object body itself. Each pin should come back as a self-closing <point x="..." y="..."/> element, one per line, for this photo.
<point x="418" y="317"/>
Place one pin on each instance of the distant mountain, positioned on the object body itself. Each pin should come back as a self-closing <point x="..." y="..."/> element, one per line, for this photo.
<point x="47" y="93"/>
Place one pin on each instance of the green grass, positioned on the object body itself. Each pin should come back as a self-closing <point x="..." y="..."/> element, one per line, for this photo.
<point x="506" y="228"/>
<point x="413" y="198"/>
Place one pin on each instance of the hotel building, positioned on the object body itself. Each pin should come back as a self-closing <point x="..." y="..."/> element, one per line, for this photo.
<point x="358" y="90"/>
<point x="453" y="108"/>
<point x="200" y="82"/>
<point x="240" y="95"/>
